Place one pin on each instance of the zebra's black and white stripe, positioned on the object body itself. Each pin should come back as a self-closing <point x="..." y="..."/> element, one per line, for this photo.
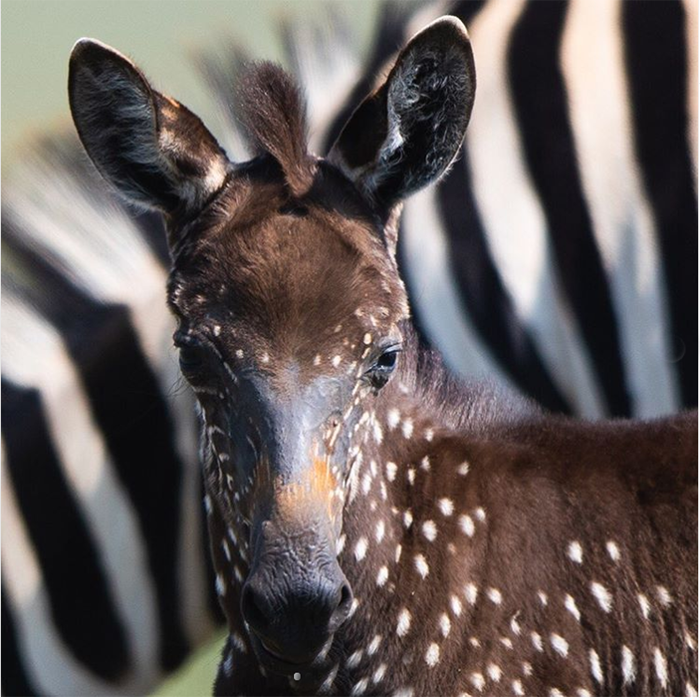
<point x="558" y="256"/>
<point x="103" y="547"/>
<point x="560" y="252"/>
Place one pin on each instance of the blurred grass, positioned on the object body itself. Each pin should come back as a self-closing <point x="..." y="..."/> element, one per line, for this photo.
<point x="196" y="677"/>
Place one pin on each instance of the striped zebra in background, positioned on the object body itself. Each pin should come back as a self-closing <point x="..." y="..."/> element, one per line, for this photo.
<point x="558" y="256"/>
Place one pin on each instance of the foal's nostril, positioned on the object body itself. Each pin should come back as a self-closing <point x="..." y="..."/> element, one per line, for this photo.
<point x="252" y="608"/>
<point x="342" y="611"/>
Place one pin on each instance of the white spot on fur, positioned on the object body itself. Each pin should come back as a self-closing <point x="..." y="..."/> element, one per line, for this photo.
<point x="514" y="625"/>
<point x="455" y="605"/>
<point x="660" y="667"/>
<point x="432" y="655"/>
<point x="354" y="659"/>
<point x="407" y="428"/>
<point x="613" y="550"/>
<point x="554" y="692"/>
<point x="429" y="434"/>
<point x="445" y="624"/>
<point x="361" y="549"/>
<point x="506" y="642"/>
<point x="570" y="605"/>
<point x="527" y="668"/>
<point x="421" y="565"/>
<point x="494" y="672"/>
<point x="543" y="598"/>
<point x="559" y="644"/>
<point x="429" y="530"/>
<point x="391" y="471"/>
<point x="644" y="605"/>
<point x="536" y="641"/>
<point x="480" y="514"/>
<point x="411" y="475"/>
<point x="463" y="469"/>
<point x="494" y="595"/>
<point x="575" y="552"/>
<point x="374" y="644"/>
<point x="596" y="671"/>
<point x="220" y="585"/>
<point x="378" y="674"/>
<point x="517" y="687"/>
<point x="404" y="622"/>
<point x="228" y="664"/>
<point x="628" y="669"/>
<point x="664" y="596"/>
<point x="583" y="692"/>
<point x="477" y="679"/>
<point x="340" y="545"/>
<point x="425" y="464"/>
<point x="407" y="518"/>
<point x="466" y="525"/>
<point x="397" y="553"/>
<point x="602" y="595"/>
<point x="690" y="691"/>
<point x="237" y="641"/>
<point x="379" y="532"/>
<point x="446" y="506"/>
<point x="392" y="418"/>
<point x="359" y="687"/>
<point x="382" y="576"/>
<point x="470" y="593"/>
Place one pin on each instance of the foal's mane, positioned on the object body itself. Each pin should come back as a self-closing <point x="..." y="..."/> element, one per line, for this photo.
<point x="273" y="112"/>
<point x="456" y="402"/>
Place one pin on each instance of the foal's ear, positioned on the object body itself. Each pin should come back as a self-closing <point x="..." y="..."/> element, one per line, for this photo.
<point x="155" y="151"/>
<point x="406" y="134"/>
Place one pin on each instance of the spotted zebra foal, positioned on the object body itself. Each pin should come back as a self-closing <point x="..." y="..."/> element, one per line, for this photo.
<point x="376" y="526"/>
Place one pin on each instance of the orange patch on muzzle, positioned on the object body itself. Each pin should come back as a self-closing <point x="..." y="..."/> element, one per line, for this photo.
<point x="317" y="489"/>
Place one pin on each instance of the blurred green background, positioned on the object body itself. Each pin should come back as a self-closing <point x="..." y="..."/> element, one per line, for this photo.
<point x="161" y="36"/>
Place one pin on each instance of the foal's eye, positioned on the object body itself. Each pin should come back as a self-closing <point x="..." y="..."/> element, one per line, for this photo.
<point x="191" y="358"/>
<point x="191" y="353"/>
<point x="384" y="366"/>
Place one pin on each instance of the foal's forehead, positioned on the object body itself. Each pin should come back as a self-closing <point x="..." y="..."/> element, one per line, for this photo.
<point x="268" y="264"/>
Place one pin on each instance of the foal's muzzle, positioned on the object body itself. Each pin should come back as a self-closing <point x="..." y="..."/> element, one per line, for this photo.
<point x="294" y="613"/>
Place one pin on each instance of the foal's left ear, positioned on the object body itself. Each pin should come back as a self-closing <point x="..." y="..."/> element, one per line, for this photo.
<point x="153" y="150"/>
<point x="406" y="134"/>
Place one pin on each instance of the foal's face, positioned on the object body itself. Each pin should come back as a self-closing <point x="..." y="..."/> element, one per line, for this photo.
<point x="288" y="327"/>
<point x="287" y="296"/>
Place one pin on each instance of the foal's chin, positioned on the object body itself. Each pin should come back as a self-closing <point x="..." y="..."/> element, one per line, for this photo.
<point x="305" y="675"/>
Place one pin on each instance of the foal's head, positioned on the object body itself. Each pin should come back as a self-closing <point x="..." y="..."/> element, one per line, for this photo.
<point x="287" y="297"/>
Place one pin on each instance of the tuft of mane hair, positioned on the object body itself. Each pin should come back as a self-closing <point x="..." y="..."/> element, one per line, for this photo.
<point x="274" y="116"/>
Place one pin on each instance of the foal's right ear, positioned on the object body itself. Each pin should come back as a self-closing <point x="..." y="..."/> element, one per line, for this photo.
<point x="154" y="150"/>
